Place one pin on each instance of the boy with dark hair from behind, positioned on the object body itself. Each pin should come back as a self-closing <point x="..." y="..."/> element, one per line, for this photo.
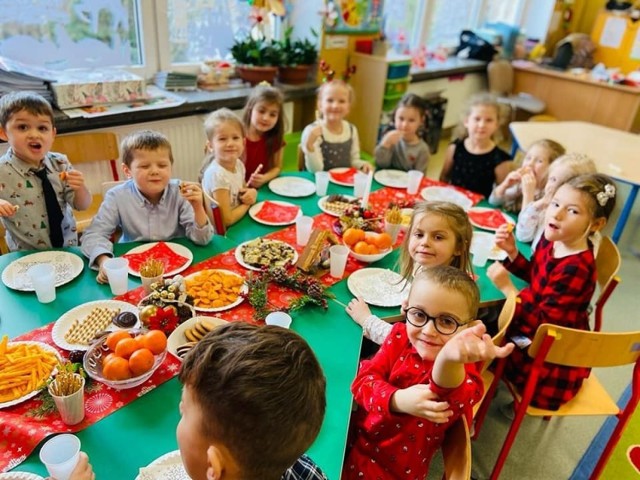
<point x="253" y="402"/>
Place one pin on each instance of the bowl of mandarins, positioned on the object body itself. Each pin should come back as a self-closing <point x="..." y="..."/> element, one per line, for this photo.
<point x="367" y="246"/>
<point x="125" y="358"/>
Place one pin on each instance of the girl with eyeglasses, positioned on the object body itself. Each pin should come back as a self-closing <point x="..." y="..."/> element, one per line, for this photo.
<point x="398" y="426"/>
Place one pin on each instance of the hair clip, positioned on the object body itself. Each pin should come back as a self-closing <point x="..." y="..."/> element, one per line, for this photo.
<point x="604" y="196"/>
<point x="329" y="73"/>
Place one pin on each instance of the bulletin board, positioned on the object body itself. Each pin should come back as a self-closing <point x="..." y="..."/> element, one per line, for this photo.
<point x="353" y="16"/>
<point x="618" y="41"/>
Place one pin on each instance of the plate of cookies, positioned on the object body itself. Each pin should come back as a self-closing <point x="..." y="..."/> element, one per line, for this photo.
<point x="188" y="333"/>
<point x="76" y="329"/>
<point x="215" y="289"/>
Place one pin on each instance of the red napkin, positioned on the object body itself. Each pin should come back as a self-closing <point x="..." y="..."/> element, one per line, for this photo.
<point x="160" y="251"/>
<point x="344" y="177"/>
<point x="488" y="218"/>
<point x="277" y="213"/>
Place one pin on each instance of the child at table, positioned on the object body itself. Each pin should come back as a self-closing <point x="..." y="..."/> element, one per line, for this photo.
<point x="403" y="148"/>
<point x="223" y="173"/>
<point x="526" y="184"/>
<point x="562" y="279"/>
<point x="397" y="426"/>
<point x="474" y="161"/>
<point x="531" y="219"/>
<point x="439" y="234"/>
<point x="264" y="123"/>
<point x="149" y="205"/>
<point x="37" y="187"/>
<point x="331" y="141"/>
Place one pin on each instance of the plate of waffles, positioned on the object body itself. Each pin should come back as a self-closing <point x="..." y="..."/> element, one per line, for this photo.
<point x="335" y="205"/>
<point x="188" y="333"/>
<point x="76" y="329"/>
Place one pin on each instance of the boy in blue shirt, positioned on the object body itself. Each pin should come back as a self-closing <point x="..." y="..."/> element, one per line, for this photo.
<point x="149" y="206"/>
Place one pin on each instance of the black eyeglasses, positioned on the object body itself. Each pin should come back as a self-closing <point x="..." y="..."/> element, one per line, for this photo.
<point x="444" y="324"/>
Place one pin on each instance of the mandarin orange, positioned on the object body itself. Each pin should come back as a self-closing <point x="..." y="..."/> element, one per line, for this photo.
<point x="125" y="347"/>
<point x="351" y="236"/>
<point x="141" y="361"/>
<point x="156" y="341"/>
<point x="114" y="337"/>
<point x="117" y="368"/>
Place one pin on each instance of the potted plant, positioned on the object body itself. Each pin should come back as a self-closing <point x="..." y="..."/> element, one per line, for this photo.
<point x="257" y="60"/>
<point x="297" y="58"/>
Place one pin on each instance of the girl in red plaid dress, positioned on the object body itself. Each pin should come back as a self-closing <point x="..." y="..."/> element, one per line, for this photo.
<point x="562" y="278"/>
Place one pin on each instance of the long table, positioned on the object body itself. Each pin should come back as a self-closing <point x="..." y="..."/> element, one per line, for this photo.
<point x="135" y="435"/>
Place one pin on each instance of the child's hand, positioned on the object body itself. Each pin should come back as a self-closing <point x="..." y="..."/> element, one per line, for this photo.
<point x="506" y="241"/>
<point x="258" y="180"/>
<point x="420" y="401"/>
<point x="528" y="183"/>
<point x="315" y="133"/>
<point x="473" y="344"/>
<point x="366" y="167"/>
<point x="192" y="193"/>
<point x="7" y="209"/>
<point x="358" y="310"/>
<point x="75" y="179"/>
<point x="500" y="277"/>
<point x="83" y="470"/>
<point x="102" y="273"/>
<point x="391" y="138"/>
<point x="512" y="178"/>
<point x="248" y="196"/>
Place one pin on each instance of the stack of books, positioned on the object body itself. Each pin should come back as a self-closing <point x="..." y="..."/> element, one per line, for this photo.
<point x="18" y="76"/>
<point x="176" y="81"/>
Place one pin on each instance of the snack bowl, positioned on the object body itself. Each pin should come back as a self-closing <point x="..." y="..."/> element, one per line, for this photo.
<point x="369" y="258"/>
<point x="92" y="364"/>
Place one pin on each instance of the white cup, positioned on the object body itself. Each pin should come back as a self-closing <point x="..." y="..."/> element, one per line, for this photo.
<point x="393" y="229"/>
<point x="118" y="274"/>
<point x="481" y="252"/>
<point x="360" y="180"/>
<point x="60" y="455"/>
<point x="281" y="319"/>
<point x="43" y="279"/>
<point x="413" y="181"/>
<point x="70" y="407"/>
<point x="304" y="226"/>
<point x="337" y="260"/>
<point x="322" y="182"/>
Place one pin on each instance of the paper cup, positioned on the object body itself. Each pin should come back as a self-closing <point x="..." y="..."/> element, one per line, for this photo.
<point x="280" y="319"/>
<point x="481" y="253"/>
<point x="148" y="281"/>
<point x="118" y="273"/>
<point x="338" y="260"/>
<point x="43" y="279"/>
<point x="322" y="182"/>
<point x="360" y="180"/>
<point x="60" y="455"/>
<point x="393" y="229"/>
<point x="304" y="226"/>
<point x="70" y="407"/>
<point x="413" y="181"/>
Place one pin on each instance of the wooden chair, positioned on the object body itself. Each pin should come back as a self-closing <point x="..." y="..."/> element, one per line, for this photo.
<point x="608" y="262"/>
<point x="4" y="248"/>
<point x="576" y="348"/>
<point x="86" y="148"/>
<point x="456" y="451"/>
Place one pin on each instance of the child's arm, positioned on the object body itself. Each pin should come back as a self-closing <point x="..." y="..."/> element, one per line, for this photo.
<point x="528" y="187"/>
<point x="373" y="327"/>
<point x="529" y="219"/>
<point x="75" y="180"/>
<point x="260" y="179"/>
<point x="229" y="215"/>
<point x="310" y="143"/>
<point x="420" y="401"/>
<point x="445" y="173"/>
<point x="498" y="194"/>
<point x="502" y="170"/>
<point x="192" y="193"/>
<point x="96" y="240"/>
<point x="7" y="209"/>
<point x="499" y="275"/>
<point x="384" y="150"/>
<point x="470" y="345"/>
<point x="194" y="218"/>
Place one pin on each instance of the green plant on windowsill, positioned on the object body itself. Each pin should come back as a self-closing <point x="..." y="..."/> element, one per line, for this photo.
<point x="297" y="58"/>
<point x="256" y="52"/>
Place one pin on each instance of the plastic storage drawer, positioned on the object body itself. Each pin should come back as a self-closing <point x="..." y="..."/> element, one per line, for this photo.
<point x="396" y="87"/>
<point x="398" y="70"/>
<point x="389" y="102"/>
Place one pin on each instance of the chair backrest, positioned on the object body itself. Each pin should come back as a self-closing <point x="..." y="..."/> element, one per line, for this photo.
<point x="504" y="320"/>
<point x="456" y="451"/>
<point x="608" y="262"/>
<point x="106" y="186"/>
<point x="500" y="77"/>
<point x="214" y="214"/>
<point x="4" y="248"/>
<point x="582" y="348"/>
<point x="89" y="147"/>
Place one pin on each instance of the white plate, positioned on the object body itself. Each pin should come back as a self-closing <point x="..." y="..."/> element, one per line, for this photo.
<point x="176" y="247"/>
<point x="507" y="218"/>
<point x="177" y="337"/>
<point x="392" y="178"/>
<point x="486" y="237"/>
<point x="253" y="211"/>
<point x="169" y="463"/>
<point x="240" y="259"/>
<point x="67" y="265"/>
<point x="63" y="324"/>
<point x="329" y="212"/>
<point x="447" y="194"/>
<point x="243" y="289"/>
<point x="339" y="170"/>
<point x="292" y="187"/>
<point x="33" y="393"/>
<point x="378" y="286"/>
<point x="20" y="476"/>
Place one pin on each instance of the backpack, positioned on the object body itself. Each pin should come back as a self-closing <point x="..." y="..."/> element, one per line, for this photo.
<point x="475" y="47"/>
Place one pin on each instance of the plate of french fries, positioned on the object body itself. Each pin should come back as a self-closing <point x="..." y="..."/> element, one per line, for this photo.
<point x="25" y="367"/>
<point x="215" y="290"/>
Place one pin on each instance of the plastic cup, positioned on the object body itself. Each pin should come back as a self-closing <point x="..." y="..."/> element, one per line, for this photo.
<point x="118" y="273"/>
<point x="393" y="229"/>
<point x="70" y="407"/>
<point x="481" y="253"/>
<point x="322" y="182"/>
<point x="304" y="225"/>
<point x="337" y="260"/>
<point x="360" y="180"/>
<point x="280" y="319"/>
<point x="60" y="455"/>
<point x="413" y="181"/>
<point x="148" y="281"/>
<point x="43" y="279"/>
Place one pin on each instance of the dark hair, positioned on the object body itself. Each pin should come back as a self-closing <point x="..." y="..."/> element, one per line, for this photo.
<point x="262" y="394"/>
<point x="601" y="191"/>
<point x="410" y="100"/>
<point x="14" y="102"/>
<point x="275" y="136"/>
<point x="147" y="140"/>
<point x="453" y="279"/>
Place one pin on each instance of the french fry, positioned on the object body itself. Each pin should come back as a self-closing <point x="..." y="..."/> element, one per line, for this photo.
<point x="23" y="368"/>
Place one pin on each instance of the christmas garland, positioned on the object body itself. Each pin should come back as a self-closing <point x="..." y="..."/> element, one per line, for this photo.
<point x="314" y="292"/>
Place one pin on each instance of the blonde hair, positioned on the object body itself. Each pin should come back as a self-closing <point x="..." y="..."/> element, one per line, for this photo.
<point x="340" y="83"/>
<point x="575" y="164"/>
<point x="458" y="221"/>
<point x="484" y="99"/>
<point x="211" y="124"/>
<point x="147" y="140"/>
